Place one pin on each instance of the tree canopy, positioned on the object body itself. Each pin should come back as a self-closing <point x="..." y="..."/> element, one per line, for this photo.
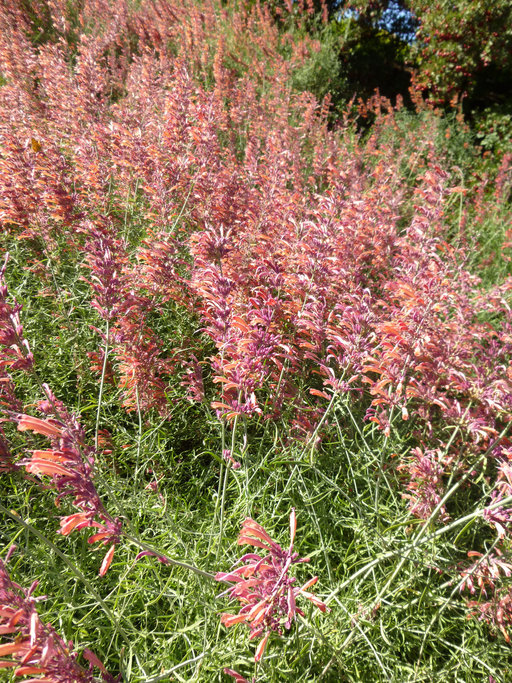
<point x="446" y="49"/>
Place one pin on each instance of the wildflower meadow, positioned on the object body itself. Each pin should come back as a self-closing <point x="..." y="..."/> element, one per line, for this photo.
<point x="255" y="355"/>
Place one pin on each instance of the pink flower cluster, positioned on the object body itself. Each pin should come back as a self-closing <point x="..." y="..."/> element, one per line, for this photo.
<point x="425" y="487"/>
<point x="35" y="648"/>
<point x="263" y="586"/>
<point x="70" y="465"/>
<point x="499" y="516"/>
<point x="16" y="352"/>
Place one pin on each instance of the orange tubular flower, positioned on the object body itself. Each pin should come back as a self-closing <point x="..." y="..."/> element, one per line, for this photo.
<point x="34" y="647"/>
<point x="263" y="586"/>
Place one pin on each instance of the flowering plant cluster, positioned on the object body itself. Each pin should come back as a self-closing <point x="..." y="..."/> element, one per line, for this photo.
<point x="224" y="261"/>
<point x="34" y="648"/>
<point x="263" y="586"/>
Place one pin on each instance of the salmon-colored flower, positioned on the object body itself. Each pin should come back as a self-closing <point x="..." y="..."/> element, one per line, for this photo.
<point x="263" y="586"/>
<point x="34" y="424"/>
<point x="70" y="465"/>
<point x="34" y="647"/>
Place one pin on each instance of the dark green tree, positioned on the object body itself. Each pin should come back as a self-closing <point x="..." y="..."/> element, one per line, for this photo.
<point x="464" y="48"/>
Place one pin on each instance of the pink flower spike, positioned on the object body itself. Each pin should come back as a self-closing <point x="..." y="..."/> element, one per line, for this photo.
<point x="70" y="465"/>
<point x="263" y="587"/>
<point x="33" y="646"/>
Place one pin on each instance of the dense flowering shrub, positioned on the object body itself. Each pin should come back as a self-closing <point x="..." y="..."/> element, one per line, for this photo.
<point x="170" y="161"/>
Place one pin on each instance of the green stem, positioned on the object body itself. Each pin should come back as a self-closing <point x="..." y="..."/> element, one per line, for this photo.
<point x="457" y="588"/>
<point x="102" y="382"/>
<point x="139" y="436"/>
<point x="168" y="560"/>
<point x="166" y="675"/>
<point x="419" y="540"/>
<point x="224" y="487"/>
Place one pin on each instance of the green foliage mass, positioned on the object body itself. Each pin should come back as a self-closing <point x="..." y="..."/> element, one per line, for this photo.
<point x="448" y="52"/>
